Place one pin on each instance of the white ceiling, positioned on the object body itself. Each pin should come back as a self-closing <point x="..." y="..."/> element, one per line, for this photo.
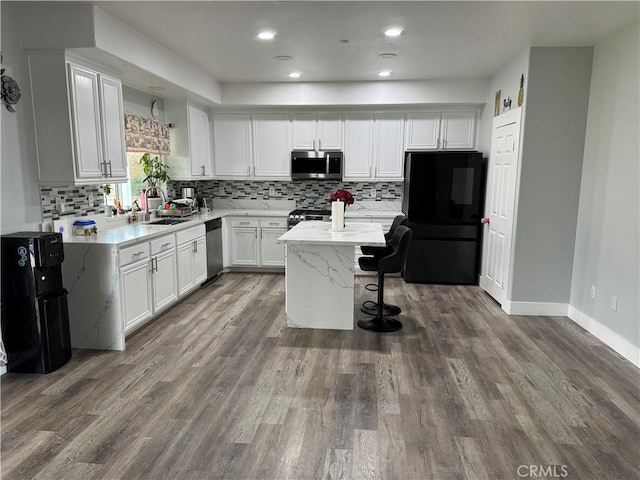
<point x="440" y="40"/>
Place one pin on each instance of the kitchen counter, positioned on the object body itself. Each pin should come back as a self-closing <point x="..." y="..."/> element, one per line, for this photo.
<point x="130" y="233"/>
<point x="320" y="273"/>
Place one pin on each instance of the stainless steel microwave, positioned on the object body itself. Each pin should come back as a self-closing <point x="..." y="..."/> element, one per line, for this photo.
<point x="317" y="165"/>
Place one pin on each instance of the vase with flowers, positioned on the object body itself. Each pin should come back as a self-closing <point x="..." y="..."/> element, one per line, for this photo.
<point x="339" y="201"/>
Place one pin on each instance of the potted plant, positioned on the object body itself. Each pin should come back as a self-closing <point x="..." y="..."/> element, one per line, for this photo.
<point x="155" y="171"/>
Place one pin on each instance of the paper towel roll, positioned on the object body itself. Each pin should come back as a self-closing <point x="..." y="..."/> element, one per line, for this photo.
<point x="337" y="216"/>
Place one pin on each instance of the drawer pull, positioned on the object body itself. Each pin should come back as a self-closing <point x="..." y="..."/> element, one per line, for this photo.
<point x="274" y="223"/>
<point x="137" y="253"/>
<point x="165" y="245"/>
<point x="244" y="223"/>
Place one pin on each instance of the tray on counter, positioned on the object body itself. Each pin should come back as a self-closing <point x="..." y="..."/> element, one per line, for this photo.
<point x="176" y="212"/>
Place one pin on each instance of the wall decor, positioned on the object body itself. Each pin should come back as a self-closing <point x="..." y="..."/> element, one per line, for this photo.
<point x="506" y="103"/>
<point x="10" y="91"/>
<point x="521" y="91"/>
<point x="496" y="106"/>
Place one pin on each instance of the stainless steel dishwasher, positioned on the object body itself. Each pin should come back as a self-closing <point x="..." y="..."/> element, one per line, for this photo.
<point x="214" y="248"/>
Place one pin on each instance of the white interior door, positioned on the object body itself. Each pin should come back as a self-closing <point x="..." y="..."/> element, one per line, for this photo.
<point x="500" y="204"/>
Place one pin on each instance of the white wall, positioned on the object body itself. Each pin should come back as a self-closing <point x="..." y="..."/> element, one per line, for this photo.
<point x="552" y="148"/>
<point x="20" y="194"/>
<point x="607" y="241"/>
<point x="465" y="91"/>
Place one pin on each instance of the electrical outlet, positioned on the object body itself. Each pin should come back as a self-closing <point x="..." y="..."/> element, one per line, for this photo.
<point x="614" y="303"/>
<point x="372" y="193"/>
<point x="592" y="293"/>
<point x="91" y="199"/>
<point x="272" y="191"/>
<point x="220" y="191"/>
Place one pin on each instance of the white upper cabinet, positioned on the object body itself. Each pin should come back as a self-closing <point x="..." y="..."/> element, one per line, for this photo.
<point x="232" y="144"/>
<point x="388" y="146"/>
<point x="358" y="145"/>
<point x="458" y="130"/>
<point x="199" y="143"/>
<point x="113" y="126"/>
<point x="423" y="131"/>
<point x="191" y="156"/>
<point x="79" y="122"/>
<point x="441" y="131"/>
<point x="317" y="132"/>
<point x="271" y="145"/>
<point x="373" y="146"/>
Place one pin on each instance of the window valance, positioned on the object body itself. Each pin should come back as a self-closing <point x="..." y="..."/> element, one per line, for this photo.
<point x="144" y="134"/>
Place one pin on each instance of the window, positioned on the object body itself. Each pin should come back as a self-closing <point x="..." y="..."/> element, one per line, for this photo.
<point x="130" y="192"/>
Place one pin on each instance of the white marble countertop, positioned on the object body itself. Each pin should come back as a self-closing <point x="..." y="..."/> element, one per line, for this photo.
<point x="320" y="233"/>
<point x="130" y="233"/>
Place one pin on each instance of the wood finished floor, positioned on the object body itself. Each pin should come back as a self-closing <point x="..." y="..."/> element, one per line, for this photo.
<point x="219" y="388"/>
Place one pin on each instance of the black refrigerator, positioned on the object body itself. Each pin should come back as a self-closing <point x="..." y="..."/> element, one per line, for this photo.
<point x="35" y="317"/>
<point x="443" y="201"/>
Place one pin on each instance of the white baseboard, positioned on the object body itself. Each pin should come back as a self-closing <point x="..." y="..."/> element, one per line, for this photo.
<point x="536" y="308"/>
<point x="3" y="370"/>
<point x="603" y="333"/>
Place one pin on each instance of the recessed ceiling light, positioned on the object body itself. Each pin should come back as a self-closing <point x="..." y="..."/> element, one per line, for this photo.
<point x="284" y="58"/>
<point x="344" y="42"/>
<point x="393" y="32"/>
<point x="384" y="73"/>
<point x="266" y="35"/>
<point x="387" y="56"/>
<point x="295" y="74"/>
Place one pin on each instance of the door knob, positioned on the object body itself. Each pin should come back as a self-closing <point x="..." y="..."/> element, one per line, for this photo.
<point x="485" y="220"/>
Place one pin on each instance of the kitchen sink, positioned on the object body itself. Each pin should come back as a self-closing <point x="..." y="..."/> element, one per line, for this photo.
<point x="168" y="221"/>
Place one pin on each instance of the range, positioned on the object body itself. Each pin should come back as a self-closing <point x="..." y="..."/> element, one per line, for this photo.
<point x="298" y="216"/>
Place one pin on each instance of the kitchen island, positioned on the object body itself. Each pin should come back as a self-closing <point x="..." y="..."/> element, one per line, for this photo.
<point x="320" y="272"/>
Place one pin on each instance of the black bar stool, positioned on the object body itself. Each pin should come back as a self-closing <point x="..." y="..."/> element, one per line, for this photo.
<point x="393" y="262"/>
<point x="369" y="306"/>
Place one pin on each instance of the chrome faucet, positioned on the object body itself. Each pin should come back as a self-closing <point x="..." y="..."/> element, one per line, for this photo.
<point x="147" y="214"/>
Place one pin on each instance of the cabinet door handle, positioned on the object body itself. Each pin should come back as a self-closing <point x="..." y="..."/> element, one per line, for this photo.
<point x="314" y="143"/>
<point x="110" y="173"/>
<point x="320" y="144"/>
<point x="203" y="171"/>
<point x="369" y="171"/>
<point x="375" y="171"/>
<point x="249" y="170"/>
<point x="103" y="169"/>
<point x="195" y="246"/>
<point x="254" y="171"/>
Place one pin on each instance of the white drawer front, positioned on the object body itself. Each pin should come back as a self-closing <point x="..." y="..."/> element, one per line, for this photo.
<point x="163" y="244"/>
<point x="190" y="234"/>
<point x="134" y="253"/>
<point x="244" y="222"/>
<point x="273" y="222"/>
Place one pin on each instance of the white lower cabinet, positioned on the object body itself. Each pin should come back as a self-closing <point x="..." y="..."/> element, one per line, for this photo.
<point x="244" y="246"/>
<point x="148" y="272"/>
<point x="192" y="259"/>
<point x="254" y="242"/>
<point x="136" y="293"/>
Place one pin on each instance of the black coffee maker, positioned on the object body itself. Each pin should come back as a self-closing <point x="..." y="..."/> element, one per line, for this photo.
<point x="35" y="317"/>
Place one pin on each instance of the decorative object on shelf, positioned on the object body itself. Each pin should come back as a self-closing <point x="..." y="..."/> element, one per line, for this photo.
<point x="496" y="106"/>
<point x="506" y="104"/>
<point x="339" y="201"/>
<point x="521" y="91"/>
<point x="10" y="91"/>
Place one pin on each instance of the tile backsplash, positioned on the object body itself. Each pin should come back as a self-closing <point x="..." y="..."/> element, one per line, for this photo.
<point x="307" y="194"/>
<point x="74" y="200"/>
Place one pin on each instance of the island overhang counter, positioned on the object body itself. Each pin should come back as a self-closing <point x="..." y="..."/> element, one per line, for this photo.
<point x="320" y="272"/>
